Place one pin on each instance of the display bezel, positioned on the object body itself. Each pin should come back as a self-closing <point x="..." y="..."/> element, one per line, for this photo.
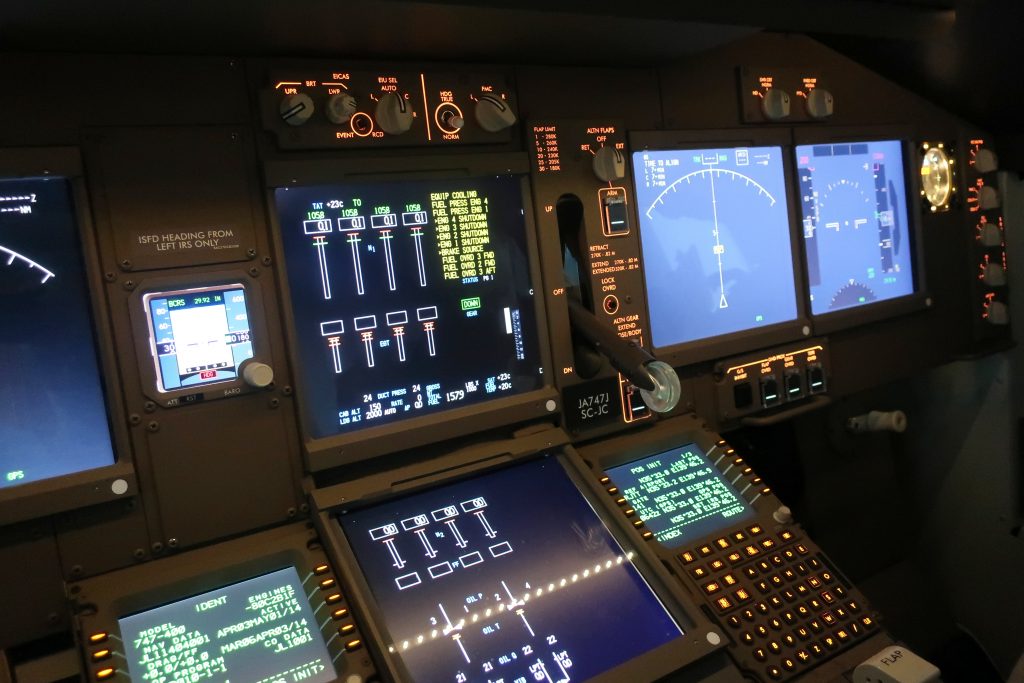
<point x="96" y="485"/>
<point x="686" y="353"/>
<point x="145" y="340"/>
<point x="694" y="643"/>
<point x="327" y="452"/>
<point x="920" y="299"/>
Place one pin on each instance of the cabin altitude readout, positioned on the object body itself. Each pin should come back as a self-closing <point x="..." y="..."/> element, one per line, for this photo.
<point x="408" y="297"/>
<point x="260" y="630"/>
<point x="716" y="242"/>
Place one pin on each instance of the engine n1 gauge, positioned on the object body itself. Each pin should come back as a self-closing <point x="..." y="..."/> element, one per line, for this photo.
<point x="937" y="176"/>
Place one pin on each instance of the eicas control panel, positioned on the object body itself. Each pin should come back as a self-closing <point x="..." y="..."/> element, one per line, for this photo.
<point x="398" y="372"/>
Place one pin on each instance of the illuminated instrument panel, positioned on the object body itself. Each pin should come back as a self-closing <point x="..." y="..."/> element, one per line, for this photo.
<point x="417" y="468"/>
<point x="408" y="298"/>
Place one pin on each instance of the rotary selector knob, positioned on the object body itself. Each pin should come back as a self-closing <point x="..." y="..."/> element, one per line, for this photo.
<point x="257" y="375"/>
<point x="775" y="104"/>
<point x="991" y="235"/>
<point x="994" y="275"/>
<point x="819" y="103"/>
<point x="494" y="114"/>
<point x="393" y="114"/>
<point x="985" y="160"/>
<point x="609" y="164"/>
<point x="296" y="109"/>
<point x="988" y="198"/>
<point x="340" y="107"/>
<point x="998" y="313"/>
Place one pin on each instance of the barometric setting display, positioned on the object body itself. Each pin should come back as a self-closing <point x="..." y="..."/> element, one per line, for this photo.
<point x="199" y="336"/>
<point x="408" y="297"/>
<point x="716" y="240"/>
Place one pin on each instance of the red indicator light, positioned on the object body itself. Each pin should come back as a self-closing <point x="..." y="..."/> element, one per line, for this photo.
<point x="208" y="374"/>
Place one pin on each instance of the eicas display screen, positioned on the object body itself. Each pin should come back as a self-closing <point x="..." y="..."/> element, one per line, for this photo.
<point x="680" y="495"/>
<point x="716" y="241"/>
<point x="259" y="630"/>
<point x="198" y="336"/>
<point x="509" y="575"/>
<point x="408" y="297"/>
<point x="51" y="394"/>
<point x="856" y="230"/>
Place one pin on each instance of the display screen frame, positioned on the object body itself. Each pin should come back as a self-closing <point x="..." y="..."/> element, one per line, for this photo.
<point x="109" y="482"/>
<point x="920" y="299"/>
<point x="331" y="451"/>
<point x="686" y="648"/>
<point x="708" y="348"/>
<point x="142" y="329"/>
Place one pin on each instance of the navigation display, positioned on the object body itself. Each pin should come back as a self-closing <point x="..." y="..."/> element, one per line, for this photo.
<point x="54" y="420"/>
<point x="716" y="241"/>
<point x="680" y="495"/>
<point x="261" y="630"/>
<point x="199" y="336"/>
<point x="507" y="576"/>
<point x="855" y="224"/>
<point x="408" y="297"/>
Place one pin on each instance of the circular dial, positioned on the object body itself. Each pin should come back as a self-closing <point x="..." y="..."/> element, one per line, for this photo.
<point x="936" y="177"/>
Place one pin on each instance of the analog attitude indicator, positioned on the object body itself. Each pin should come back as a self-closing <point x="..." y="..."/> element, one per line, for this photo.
<point x="715" y="233"/>
<point x="937" y="177"/>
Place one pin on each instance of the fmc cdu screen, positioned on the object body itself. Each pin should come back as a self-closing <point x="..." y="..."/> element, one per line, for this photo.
<point x="716" y="241"/>
<point x="680" y="495"/>
<point x="509" y="575"/>
<point x="408" y="297"/>
<point x="261" y="630"/>
<point x="54" y="420"/>
<point x="855" y="223"/>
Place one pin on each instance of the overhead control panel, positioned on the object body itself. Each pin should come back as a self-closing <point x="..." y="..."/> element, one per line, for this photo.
<point x="346" y="108"/>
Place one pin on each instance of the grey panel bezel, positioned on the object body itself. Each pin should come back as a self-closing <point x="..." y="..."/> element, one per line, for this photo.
<point x="327" y="452"/>
<point x="71" y="491"/>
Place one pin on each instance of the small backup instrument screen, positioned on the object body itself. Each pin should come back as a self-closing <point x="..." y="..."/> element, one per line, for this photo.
<point x="53" y="418"/>
<point x="716" y="241"/>
<point x="260" y="630"/>
<point x="200" y="336"/>
<point x="509" y="575"/>
<point x="855" y="223"/>
<point x="408" y="297"/>
<point x="680" y="495"/>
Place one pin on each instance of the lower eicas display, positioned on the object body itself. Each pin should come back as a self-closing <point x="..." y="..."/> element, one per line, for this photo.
<point x="51" y="393"/>
<point x="509" y="575"/>
<point x="261" y="630"/>
<point x="680" y="495"/>
<point x="408" y="297"/>
<point x="716" y="241"/>
<point x="855" y="223"/>
<point x="198" y="336"/>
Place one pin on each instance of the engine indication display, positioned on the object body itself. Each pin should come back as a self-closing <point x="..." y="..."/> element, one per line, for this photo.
<point x="408" y="297"/>
<point x="716" y="241"/>
<point x="198" y="336"/>
<point x="51" y="394"/>
<point x="261" y="629"/>
<point x="855" y="223"/>
<point x="473" y="585"/>
<point x="680" y="495"/>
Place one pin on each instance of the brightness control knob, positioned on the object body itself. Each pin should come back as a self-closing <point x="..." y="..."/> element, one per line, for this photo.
<point x="985" y="160"/>
<point x="340" y="107"/>
<point x="257" y="375"/>
<point x="988" y="198"/>
<point x="393" y="114"/>
<point x="819" y="103"/>
<point x="775" y="104"/>
<point x="991" y="235"/>
<point x="997" y="313"/>
<point x="609" y="164"/>
<point x="494" y="114"/>
<point x="994" y="275"/>
<point x="296" y="109"/>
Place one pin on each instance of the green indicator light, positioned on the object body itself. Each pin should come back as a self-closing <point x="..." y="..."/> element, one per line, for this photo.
<point x="471" y="303"/>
